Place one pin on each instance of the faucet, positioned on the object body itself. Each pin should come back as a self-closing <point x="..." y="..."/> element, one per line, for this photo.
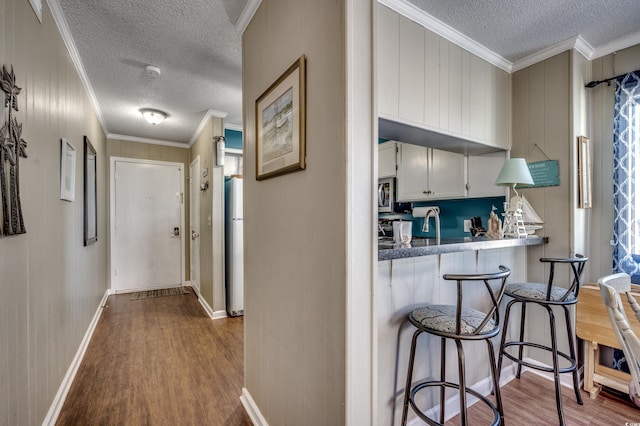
<point x="435" y="213"/>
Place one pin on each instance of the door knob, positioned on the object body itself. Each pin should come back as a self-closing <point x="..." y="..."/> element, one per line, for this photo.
<point x="194" y="235"/>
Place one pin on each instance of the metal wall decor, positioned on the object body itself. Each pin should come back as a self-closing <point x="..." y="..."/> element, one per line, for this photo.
<point x="12" y="147"/>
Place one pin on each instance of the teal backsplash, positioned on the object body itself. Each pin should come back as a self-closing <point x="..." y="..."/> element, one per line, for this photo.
<point x="453" y="213"/>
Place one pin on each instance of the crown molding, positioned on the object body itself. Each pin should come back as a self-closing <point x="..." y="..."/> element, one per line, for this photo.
<point x="231" y="126"/>
<point x="246" y="15"/>
<point x="616" y="45"/>
<point x="210" y="113"/>
<point x="550" y="51"/>
<point x="421" y="17"/>
<point x="146" y="140"/>
<point x="63" y="28"/>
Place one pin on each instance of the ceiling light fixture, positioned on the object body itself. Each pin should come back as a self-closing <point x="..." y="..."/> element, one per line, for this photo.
<point x="153" y="116"/>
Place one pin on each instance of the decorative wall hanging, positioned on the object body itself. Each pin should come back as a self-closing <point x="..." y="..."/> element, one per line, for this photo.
<point x="584" y="172"/>
<point x="12" y="147"/>
<point x="90" y="193"/>
<point x="544" y="173"/>
<point x="67" y="170"/>
<point x="280" y="124"/>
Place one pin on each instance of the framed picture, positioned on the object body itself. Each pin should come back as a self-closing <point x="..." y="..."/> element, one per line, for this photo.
<point x="90" y="193"/>
<point x="67" y="170"/>
<point x="280" y="124"/>
<point x="584" y="172"/>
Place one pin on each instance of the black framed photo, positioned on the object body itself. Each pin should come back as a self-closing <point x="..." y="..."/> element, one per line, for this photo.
<point x="90" y="193"/>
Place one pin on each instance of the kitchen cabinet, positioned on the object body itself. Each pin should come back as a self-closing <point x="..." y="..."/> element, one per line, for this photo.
<point x="387" y="159"/>
<point x="388" y="64"/>
<point x="483" y="171"/>
<point x="428" y="82"/>
<point x="429" y="174"/>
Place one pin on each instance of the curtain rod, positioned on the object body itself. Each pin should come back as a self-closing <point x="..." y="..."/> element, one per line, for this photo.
<point x="594" y="83"/>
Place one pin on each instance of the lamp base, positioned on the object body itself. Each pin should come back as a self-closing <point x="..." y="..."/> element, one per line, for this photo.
<point x="513" y="225"/>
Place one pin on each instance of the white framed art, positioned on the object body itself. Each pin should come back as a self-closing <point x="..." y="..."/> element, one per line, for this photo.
<point x="67" y="170"/>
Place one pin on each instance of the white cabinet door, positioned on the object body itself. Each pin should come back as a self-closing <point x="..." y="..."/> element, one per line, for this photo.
<point x="388" y="61"/>
<point x="447" y="175"/>
<point x="387" y="159"/>
<point x="429" y="174"/>
<point x="412" y="175"/>
<point x="411" y="73"/>
<point x="483" y="171"/>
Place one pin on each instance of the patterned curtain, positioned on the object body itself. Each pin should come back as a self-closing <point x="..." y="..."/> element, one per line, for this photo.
<point x="626" y="176"/>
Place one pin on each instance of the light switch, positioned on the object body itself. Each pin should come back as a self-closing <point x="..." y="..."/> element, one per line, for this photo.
<point x="209" y="220"/>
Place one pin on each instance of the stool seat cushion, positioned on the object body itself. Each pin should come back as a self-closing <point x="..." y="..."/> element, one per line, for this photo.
<point x="537" y="291"/>
<point x="442" y="318"/>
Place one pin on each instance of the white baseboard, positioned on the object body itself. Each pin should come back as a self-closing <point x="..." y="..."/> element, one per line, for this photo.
<point x="63" y="390"/>
<point x="252" y="409"/>
<point x="212" y="314"/>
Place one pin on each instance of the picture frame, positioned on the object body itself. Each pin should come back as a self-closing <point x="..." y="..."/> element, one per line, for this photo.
<point x="281" y="124"/>
<point x="90" y="193"/>
<point x="67" y="170"/>
<point x="584" y="172"/>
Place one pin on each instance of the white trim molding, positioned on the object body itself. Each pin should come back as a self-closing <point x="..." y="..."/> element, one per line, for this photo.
<point x="209" y="311"/>
<point x="65" y="32"/>
<point x="247" y="14"/>
<point x="205" y="120"/>
<point x="63" y="390"/>
<point x="616" y="45"/>
<point x="252" y="409"/>
<point x="421" y="17"/>
<point x="414" y="13"/>
<point x="236" y="127"/>
<point x="128" y="138"/>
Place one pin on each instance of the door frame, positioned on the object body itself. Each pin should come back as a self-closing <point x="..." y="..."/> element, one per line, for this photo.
<point x="112" y="213"/>
<point x="193" y="184"/>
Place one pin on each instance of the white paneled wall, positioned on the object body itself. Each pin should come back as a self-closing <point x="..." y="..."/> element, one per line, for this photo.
<point x="406" y="284"/>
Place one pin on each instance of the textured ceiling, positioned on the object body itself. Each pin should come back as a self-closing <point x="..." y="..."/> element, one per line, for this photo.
<point x="193" y="42"/>
<point x="515" y="29"/>
<point x="197" y="46"/>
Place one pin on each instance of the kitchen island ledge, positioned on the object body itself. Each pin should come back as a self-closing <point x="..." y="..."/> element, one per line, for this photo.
<point x="387" y="250"/>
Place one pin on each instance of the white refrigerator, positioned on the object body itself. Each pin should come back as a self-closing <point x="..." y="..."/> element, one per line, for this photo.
<point x="234" y="264"/>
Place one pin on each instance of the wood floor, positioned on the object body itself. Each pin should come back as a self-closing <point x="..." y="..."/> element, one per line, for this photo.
<point x="162" y="361"/>
<point x="159" y="361"/>
<point x="530" y="401"/>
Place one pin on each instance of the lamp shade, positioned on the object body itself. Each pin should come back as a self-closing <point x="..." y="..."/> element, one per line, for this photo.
<point x="514" y="171"/>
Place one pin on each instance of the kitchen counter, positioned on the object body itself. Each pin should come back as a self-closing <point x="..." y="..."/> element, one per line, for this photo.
<point x="387" y="250"/>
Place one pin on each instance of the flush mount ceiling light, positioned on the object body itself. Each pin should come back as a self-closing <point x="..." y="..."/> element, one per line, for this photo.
<point x="153" y="116"/>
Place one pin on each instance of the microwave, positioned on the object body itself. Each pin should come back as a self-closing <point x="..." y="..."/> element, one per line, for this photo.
<point x="386" y="195"/>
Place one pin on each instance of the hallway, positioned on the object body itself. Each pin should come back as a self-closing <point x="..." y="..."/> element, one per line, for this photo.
<point x="159" y="361"/>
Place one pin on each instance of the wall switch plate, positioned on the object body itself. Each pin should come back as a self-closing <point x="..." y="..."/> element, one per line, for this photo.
<point x="467" y="225"/>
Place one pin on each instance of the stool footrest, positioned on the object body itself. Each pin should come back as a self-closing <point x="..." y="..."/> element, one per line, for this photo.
<point x="433" y="383"/>
<point x="571" y="368"/>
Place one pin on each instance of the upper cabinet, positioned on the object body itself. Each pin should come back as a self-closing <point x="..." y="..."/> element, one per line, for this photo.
<point x="483" y="171"/>
<point x="425" y="81"/>
<point x="429" y="174"/>
<point x="387" y="159"/>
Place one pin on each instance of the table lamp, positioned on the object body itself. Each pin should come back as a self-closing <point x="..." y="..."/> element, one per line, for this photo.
<point x="514" y="172"/>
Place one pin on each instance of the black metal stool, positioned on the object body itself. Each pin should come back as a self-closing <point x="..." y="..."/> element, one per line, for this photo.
<point x="458" y="322"/>
<point x="547" y="296"/>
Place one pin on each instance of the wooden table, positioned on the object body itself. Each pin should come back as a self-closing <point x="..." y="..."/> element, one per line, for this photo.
<point x="594" y="327"/>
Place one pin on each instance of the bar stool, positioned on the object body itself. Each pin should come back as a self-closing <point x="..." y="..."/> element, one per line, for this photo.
<point x="547" y="296"/>
<point x="458" y="322"/>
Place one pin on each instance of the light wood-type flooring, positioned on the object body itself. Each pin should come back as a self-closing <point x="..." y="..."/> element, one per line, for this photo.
<point x="162" y="361"/>
<point x="159" y="361"/>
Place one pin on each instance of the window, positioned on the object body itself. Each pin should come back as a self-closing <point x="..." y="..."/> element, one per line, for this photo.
<point x="626" y="170"/>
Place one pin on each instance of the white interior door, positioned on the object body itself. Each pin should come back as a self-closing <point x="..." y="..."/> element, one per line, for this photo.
<point x="194" y="222"/>
<point x="146" y="217"/>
